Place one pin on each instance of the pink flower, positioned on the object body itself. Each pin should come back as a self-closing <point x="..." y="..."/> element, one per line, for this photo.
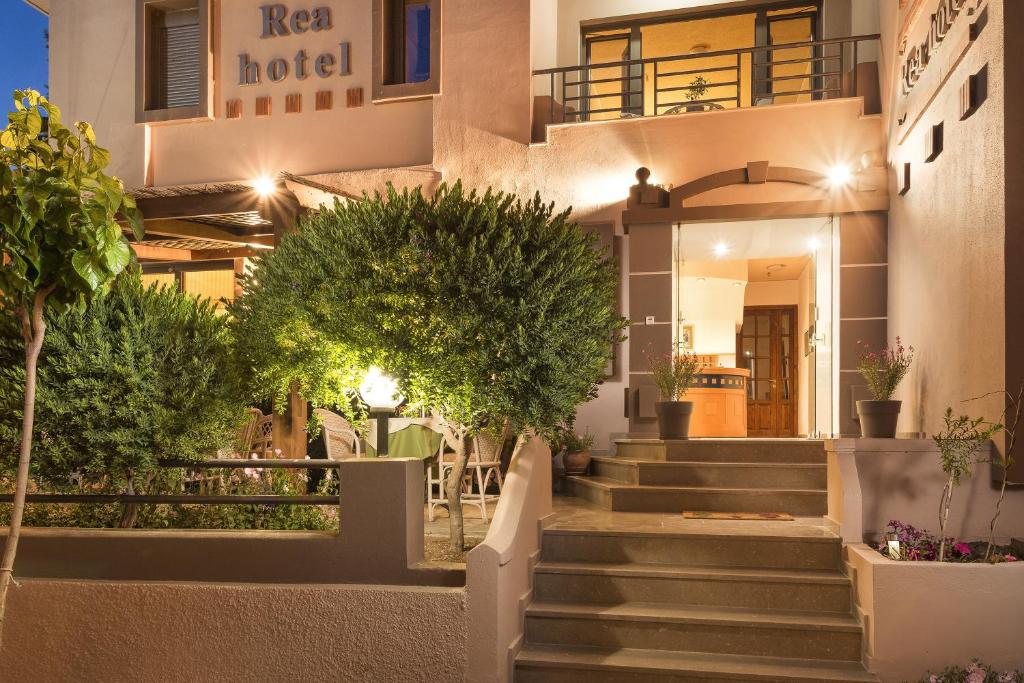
<point x="962" y="549"/>
<point x="1010" y="558"/>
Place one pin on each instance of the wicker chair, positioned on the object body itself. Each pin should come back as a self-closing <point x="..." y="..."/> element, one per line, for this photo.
<point x="482" y="464"/>
<point x="339" y="436"/>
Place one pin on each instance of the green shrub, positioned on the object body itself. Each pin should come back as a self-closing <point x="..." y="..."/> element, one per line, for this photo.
<point x="140" y="375"/>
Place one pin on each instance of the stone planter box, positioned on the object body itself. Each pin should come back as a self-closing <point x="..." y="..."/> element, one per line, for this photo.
<point x="926" y="615"/>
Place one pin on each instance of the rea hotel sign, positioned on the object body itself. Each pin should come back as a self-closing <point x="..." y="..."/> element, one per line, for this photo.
<point x="276" y="21"/>
<point x="918" y="56"/>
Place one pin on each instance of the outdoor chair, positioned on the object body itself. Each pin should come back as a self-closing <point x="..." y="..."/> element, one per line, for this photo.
<point x="340" y="437"/>
<point x="482" y="464"/>
<point x="258" y="436"/>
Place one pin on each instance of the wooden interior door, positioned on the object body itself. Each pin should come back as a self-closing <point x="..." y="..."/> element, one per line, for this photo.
<point x="766" y="345"/>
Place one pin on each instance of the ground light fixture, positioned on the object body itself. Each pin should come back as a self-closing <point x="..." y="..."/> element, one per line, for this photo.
<point x="839" y="176"/>
<point x="264" y="186"/>
<point x="380" y="393"/>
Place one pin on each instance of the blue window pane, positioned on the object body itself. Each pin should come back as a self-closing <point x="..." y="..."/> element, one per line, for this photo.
<point x="417" y="43"/>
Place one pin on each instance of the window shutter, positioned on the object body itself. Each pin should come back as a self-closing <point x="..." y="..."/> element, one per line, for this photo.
<point x="178" y="47"/>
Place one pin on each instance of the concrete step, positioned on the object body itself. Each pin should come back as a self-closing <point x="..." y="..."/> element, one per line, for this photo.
<point x="616" y="495"/>
<point x="723" y="450"/>
<point x="804" y="590"/>
<point x="733" y="475"/>
<point x="656" y="626"/>
<point x="754" y="551"/>
<point x="565" y="664"/>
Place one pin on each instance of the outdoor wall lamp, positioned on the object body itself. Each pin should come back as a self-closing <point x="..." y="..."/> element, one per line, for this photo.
<point x="380" y="393"/>
<point x="838" y="176"/>
<point x="264" y="186"/>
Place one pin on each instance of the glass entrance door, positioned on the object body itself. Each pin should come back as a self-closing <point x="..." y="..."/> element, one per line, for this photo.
<point x="821" y="333"/>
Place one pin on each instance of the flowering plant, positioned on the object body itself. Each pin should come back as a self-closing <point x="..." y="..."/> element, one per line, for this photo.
<point x="975" y="672"/>
<point x="674" y="374"/>
<point x="883" y="370"/>
<point x="918" y="545"/>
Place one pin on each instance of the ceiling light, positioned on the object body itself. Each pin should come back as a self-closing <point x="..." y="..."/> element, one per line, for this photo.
<point x="775" y="266"/>
<point x="264" y="186"/>
<point x="721" y="249"/>
<point x="838" y="176"/>
<point x="813" y="244"/>
<point x="702" y="279"/>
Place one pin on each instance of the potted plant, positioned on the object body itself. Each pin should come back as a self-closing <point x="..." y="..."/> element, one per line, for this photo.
<point x="698" y="86"/>
<point x="883" y="371"/>
<point x="674" y="375"/>
<point x="572" y="449"/>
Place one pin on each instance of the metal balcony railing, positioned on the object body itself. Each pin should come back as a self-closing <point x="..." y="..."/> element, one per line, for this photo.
<point x="723" y="79"/>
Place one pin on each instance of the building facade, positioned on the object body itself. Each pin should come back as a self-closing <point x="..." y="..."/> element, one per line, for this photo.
<point x="819" y="174"/>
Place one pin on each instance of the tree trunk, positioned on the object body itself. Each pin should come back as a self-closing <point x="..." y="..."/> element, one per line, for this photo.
<point x="1017" y="403"/>
<point x="33" y="330"/>
<point x="453" y="489"/>
<point x="130" y="511"/>
<point x="947" y="500"/>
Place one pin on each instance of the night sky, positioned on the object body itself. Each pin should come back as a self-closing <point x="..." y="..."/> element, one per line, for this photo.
<point x="22" y="51"/>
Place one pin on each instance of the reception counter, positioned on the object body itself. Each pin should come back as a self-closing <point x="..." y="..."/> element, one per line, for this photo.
<point x="719" y="398"/>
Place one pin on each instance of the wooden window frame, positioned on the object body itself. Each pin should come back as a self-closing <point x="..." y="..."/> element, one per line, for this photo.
<point x="144" y="10"/>
<point x="383" y="91"/>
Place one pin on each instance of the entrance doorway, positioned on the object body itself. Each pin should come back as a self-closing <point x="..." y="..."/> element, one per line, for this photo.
<point x="759" y="296"/>
<point x="766" y="346"/>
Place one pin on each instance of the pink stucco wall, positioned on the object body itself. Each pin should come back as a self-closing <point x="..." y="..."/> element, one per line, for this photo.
<point x="148" y="632"/>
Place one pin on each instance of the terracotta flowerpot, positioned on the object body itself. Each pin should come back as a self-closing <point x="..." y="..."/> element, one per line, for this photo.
<point x="878" y="418"/>
<point x="577" y="463"/>
<point x="674" y="419"/>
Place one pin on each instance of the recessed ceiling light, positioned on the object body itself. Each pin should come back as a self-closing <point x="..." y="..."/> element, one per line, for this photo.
<point x="721" y="249"/>
<point x="775" y="266"/>
<point x="702" y="279"/>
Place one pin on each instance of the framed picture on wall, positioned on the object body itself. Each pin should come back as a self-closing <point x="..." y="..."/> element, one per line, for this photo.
<point x="686" y="342"/>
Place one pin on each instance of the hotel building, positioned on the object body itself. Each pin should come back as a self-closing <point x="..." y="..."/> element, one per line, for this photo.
<point x="779" y="180"/>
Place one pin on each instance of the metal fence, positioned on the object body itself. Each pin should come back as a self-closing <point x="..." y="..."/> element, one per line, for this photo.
<point x="742" y="77"/>
<point x="201" y="499"/>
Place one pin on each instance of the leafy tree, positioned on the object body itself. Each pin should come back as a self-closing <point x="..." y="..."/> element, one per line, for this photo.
<point x="138" y="376"/>
<point x="490" y="310"/>
<point x="61" y="244"/>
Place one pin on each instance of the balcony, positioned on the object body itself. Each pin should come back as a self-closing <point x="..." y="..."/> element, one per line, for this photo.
<point x="707" y="81"/>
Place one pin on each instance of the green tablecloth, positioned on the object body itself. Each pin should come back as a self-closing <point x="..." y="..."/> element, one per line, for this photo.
<point x="412" y="442"/>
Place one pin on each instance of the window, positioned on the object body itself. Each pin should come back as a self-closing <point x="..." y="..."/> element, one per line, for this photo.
<point x="406" y="49"/>
<point x="172" y="60"/>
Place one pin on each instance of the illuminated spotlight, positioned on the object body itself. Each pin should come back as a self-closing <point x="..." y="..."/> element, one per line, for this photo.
<point x="839" y="175"/>
<point x="813" y="243"/>
<point x="264" y="186"/>
<point x="721" y="249"/>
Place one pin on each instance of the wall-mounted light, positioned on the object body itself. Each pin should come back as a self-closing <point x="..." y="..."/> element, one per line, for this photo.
<point x="838" y="176"/>
<point x="264" y="186"/>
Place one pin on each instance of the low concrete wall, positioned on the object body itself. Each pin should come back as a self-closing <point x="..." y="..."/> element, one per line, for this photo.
<point x="380" y="541"/>
<point x="926" y="615"/>
<point x="59" y="631"/>
<point x="871" y="481"/>
<point x="499" y="570"/>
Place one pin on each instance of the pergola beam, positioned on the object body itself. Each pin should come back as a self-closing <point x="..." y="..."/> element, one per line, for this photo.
<point x="144" y="251"/>
<point x="200" y="205"/>
<point x="172" y="227"/>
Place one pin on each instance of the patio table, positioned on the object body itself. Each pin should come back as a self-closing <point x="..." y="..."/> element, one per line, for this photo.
<point x="408" y="437"/>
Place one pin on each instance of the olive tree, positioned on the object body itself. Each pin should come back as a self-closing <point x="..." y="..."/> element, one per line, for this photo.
<point x="489" y="310"/>
<point x="61" y="244"/>
<point x="140" y="375"/>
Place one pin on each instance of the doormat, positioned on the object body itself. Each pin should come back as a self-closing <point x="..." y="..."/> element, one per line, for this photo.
<point x="743" y="516"/>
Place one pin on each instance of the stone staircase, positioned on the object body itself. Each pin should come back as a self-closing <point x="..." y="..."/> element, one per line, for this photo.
<point x="709" y="475"/>
<point x="636" y="596"/>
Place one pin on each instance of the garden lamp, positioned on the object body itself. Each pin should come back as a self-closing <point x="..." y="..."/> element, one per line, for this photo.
<point x="380" y="393"/>
<point x="892" y="542"/>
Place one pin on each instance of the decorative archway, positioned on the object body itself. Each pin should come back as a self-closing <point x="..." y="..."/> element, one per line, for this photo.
<point x="755" y="173"/>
